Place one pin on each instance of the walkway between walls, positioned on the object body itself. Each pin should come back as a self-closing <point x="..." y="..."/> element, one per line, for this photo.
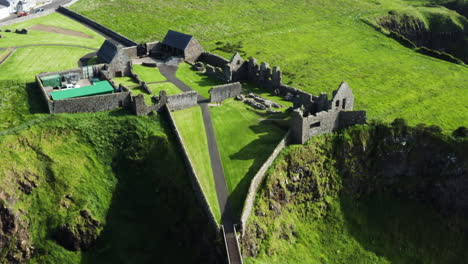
<point x="222" y="192"/>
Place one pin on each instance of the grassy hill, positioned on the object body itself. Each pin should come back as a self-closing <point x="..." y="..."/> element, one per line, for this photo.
<point x="370" y="194"/>
<point x="317" y="43"/>
<point x="115" y="167"/>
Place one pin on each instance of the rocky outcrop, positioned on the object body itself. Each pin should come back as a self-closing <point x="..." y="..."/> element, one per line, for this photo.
<point x="418" y="164"/>
<point x="81" y="236"/>
<point x="441" y="32"/>
<point x="15" y="244"/>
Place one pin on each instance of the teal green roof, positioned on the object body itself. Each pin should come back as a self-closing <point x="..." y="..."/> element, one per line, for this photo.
<point x="98" y="88"/>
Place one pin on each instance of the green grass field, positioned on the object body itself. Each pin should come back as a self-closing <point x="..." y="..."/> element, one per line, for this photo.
<point x="170" y="88"/>
<point x="4" y="53"/>
<point x="148" y="74"/>
<point x="25" y="63"/>
<point x="197" y="81"/>
<point x="246" y="138"/>
<point x="190" y="124"/>
<point x="318" y="44"/>
<point x="39" y="37"/>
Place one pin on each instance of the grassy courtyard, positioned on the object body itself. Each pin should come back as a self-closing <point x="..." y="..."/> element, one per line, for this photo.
<point x="246" y="138"/>
<point x="170" y="88"/>
<point x="148" y="74"/>
<point x="197" y="81"/>
<point x="190" y="124"/>
<point x="317" y="44"/>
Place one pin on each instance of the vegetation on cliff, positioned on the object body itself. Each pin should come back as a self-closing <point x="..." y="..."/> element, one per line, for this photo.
<point x="100" y="188"/>
<point x="369" y="194"/>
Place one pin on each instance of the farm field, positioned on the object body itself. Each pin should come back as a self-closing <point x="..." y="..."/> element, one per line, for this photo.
<point x="190" y="124"/>
<point x="246" y="138"/>
<point x="317" y="44"/>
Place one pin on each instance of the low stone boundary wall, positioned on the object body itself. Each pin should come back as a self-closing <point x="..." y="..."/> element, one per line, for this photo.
<point x="95" y="103"/>
<point x="222" y="92"/>
<point x="25" y="18"/>
<point x="96" y="26"/>
<point x="196" y="186"/>
<point x="182" y="101"/>
<point x="257" y="181"/>
<point x="225" y="245"/>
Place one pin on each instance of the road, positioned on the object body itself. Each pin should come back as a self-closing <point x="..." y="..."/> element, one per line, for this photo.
<point x="53" y="5"/>
<point x="222" y="192"/>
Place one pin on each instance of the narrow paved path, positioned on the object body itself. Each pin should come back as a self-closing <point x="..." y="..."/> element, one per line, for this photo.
<point x="222" y="192"/>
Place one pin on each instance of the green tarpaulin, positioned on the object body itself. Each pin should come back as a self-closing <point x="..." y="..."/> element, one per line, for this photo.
<point x="98" y="88"/>
<point x="51" y="80"/>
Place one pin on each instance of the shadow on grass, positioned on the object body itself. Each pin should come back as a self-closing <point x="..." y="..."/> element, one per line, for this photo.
<point x="403" y="231"/>
<point x="258" y="150"/>
<point x="153" y="217"/>
<point x="36" y="102"/>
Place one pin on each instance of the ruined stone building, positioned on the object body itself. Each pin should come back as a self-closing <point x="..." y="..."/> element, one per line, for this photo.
<point x="311" y="115"/>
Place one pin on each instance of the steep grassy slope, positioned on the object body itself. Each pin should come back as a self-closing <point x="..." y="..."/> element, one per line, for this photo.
<point x="317" y="43"/>
<point x="374" y="194"/>
<point x="123" y="171"/>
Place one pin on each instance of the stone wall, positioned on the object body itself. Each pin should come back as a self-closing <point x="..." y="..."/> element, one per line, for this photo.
<point x="258" y="179"/>
<point x="222" y="92"/>
<point x="193" y="51"/>
<point x="25" y="18"/>
<point x="213" y="60"/>
<point x="139" y="106"/>
<point x="351" y="118"/>
<point x="182" y="101"/>
<point x="131" y="52"/>
<point x="91" y="104"/>
<point x="96" y="26"/>
<point x="196" y="186"/>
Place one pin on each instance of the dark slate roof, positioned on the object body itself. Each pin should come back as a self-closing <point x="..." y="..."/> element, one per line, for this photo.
<point x="177" y="40"/>
<point x="107" y="51"/>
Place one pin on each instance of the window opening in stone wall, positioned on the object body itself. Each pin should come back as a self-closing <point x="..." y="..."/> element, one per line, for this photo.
<point x="316" y="124"/>
<point x="344" y="103"/>
<point x="337" y="104"/>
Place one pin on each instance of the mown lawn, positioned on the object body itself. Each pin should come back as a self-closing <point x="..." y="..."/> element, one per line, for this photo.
<point x="170" y="88"/>
<point x="148" y="74"/>
<point x="127" y="81"/>
<point x="4" y="53"/>
<point x="197" y="81"/>
<point x="246" y="138"/>
<point x="25" y="63"/>
<point x="11" y="39"/>
<point x="190" y="124"/>
<point x="317" y="43"/>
